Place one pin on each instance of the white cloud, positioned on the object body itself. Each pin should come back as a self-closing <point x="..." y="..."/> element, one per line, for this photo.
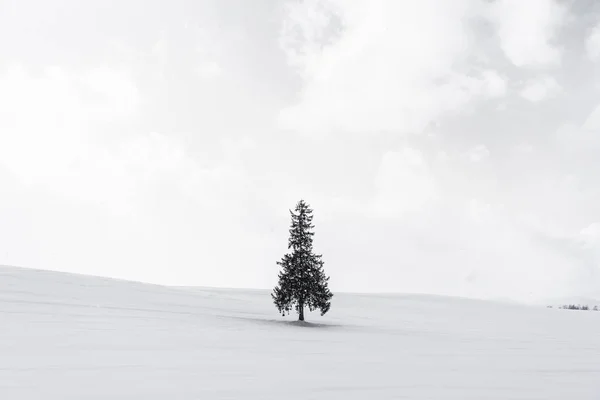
<point x="590" y="236"/>
<point x="209" y="70"/>
<point x="381" y="65"/>
<point x="592" y="122"/>
<point x="494" y="84"/>
<point x="479" y="211"/>
<point x="478" y="153"/>
<point x="592" y="44"/>
<point x="404" y="184"/>
<point x="116" y="91"/>
<point x="52" y="117"/>
<point x="57" y="139"/>
<point x="527" y="29"/>
<point x="523" y="148"/>
<point x="541" y="88"/>
<point x="569" y="136"/>
<point x="450" y="243"/>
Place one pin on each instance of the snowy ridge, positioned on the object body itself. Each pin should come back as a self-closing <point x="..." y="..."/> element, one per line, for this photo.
<point x="65" y="336"/>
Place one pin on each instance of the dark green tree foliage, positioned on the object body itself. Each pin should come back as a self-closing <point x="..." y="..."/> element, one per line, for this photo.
<point x="302" y="280"/>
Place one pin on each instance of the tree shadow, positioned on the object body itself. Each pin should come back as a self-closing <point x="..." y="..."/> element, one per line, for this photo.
<point x="297" y="324"/>
<point x="306" y="324"/>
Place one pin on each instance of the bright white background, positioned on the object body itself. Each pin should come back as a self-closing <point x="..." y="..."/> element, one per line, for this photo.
<point x="447" y="147"/>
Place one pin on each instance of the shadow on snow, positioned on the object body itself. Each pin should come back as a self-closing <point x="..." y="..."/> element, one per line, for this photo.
<point x="275" y="322"/>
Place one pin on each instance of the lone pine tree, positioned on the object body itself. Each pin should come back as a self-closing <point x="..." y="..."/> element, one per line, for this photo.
<point x="302" y="280"/>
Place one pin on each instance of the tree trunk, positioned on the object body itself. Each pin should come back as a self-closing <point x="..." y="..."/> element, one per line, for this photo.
<point x="301" y="311"/>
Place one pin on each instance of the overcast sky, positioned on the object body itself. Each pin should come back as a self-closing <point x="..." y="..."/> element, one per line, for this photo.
<point x="448" y="147"/>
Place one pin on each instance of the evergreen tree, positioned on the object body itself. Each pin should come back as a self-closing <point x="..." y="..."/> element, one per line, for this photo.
<point x="302" y="280"/>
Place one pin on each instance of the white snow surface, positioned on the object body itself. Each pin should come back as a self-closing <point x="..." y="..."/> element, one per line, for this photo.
<point x="66" y="336"/>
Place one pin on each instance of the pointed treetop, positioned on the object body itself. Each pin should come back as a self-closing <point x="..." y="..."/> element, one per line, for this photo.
<point x="303" y="206"/>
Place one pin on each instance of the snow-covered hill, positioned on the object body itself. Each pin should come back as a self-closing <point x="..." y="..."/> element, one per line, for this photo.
<point x="67" y="337"/>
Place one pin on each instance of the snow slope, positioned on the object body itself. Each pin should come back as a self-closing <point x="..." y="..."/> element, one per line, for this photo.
<point x="66" y="337"/>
